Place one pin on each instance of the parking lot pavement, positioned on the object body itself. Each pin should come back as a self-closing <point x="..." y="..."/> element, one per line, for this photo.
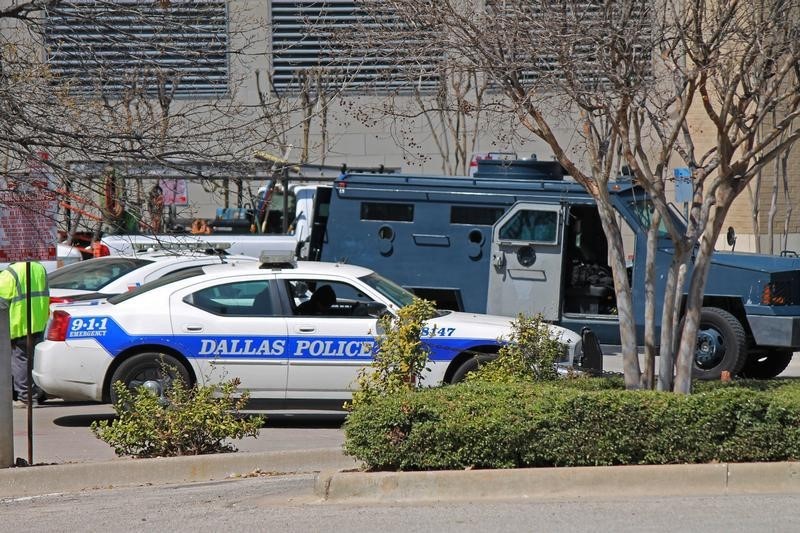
<point x="61" y="432"/>
<point x="612" y="362"/>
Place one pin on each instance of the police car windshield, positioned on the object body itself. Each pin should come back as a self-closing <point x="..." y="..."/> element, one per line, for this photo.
<point x="160" y="282"/>
<point x="391" y="290"/>
<point x="94" y="274"/>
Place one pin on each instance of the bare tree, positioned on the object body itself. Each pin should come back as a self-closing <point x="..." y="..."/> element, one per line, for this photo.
<point x="628" y="74"/>
<point x="452" y="115"/>
<point x="130" y="83"/>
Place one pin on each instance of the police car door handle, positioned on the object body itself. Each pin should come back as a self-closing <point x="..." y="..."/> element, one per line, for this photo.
<point x="193" y="327"/>
<point x="306" y="329"/>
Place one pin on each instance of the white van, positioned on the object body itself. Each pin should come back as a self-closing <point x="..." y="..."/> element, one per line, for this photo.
<point x="250" y="245"/>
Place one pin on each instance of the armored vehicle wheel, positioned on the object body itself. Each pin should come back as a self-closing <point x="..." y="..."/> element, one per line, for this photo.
<point x="766" y="364"/>
<point x="721" y="344"/>
<point x="154" y="371"/>
<point x="470" y="365"/>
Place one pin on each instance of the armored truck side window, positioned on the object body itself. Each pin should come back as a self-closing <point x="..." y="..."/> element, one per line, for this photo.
<point x="475" y="216"/>
<point x="528" y="225"/>
<point x="387" y="212"/>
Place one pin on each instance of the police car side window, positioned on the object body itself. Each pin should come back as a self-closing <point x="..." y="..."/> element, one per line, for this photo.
<point x="242" y="298"/>
<point x="344" y="303"/>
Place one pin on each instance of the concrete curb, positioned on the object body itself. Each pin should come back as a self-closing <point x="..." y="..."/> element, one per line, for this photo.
<point x="549" y="483"/>
<point x="49" y="479"/>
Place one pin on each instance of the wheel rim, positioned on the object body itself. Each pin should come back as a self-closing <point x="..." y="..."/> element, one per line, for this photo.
<point x="710" y="349"/>
<point x="151" y="378"/>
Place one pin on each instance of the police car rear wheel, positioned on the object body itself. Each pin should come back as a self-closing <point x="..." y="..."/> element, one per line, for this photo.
<point x="471" y="365"/>
<point x="155" y="371"/>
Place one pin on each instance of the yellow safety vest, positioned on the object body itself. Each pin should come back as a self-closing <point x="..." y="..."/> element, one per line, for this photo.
<point x="13" y="289"/>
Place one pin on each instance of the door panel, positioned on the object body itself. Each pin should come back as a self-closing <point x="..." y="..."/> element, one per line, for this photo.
<point x="329" y="341"/>
<point x="233" y="330"/>
<point x="526" y="270"/>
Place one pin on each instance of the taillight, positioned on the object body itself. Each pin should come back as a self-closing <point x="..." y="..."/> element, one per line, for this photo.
<point x="59" y="300"/>
<point x="57" y="329"/>
<point x="777" y="293"/>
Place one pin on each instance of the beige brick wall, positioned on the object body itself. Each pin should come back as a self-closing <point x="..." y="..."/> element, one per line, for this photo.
<point x="741" y="214"/>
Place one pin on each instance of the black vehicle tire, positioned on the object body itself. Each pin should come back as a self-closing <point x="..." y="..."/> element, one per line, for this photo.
<point x="138" y="369"/>
<point x="766" y="364"/>
<point x="721" y="344"/>
<point x="471" y="365"/>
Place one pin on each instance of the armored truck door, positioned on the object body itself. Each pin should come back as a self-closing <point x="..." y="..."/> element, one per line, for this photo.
<point x="525" y="270"/>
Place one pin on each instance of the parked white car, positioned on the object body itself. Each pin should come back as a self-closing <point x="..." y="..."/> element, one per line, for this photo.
<point x="102" y="277"/>
<point x="266" y="324"/>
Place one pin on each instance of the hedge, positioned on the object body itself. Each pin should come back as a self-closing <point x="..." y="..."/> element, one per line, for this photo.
<point x="579" y="422"/>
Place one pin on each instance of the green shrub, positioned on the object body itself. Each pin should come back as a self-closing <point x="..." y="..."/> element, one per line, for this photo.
<point x="572" y="423"/>
<point x="400" y="356"/>
<point x="528" y="354"/>
<point x="192" y="421"/>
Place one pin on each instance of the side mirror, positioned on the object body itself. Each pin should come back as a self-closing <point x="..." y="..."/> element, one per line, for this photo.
<point x="730" y="237"/>
<point x="376" y="309"/>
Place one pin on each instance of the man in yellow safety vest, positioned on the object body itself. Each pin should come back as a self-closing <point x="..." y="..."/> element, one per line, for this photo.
<point x="13" y="289"/>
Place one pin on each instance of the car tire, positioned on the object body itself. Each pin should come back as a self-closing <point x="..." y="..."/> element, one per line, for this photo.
<point x="138" y="369"/>
<point x="766" y="364"/>
<point x="470" y="365"/>
<point x="721" y="344"/>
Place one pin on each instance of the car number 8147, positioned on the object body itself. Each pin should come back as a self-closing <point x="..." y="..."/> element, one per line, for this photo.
<point x="437" y="332"/>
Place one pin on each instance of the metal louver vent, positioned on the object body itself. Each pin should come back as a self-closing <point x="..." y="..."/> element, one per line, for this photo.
<point x="320" y="42"/>
<point x="109" y="47"/>
<point x="572" y="39"/>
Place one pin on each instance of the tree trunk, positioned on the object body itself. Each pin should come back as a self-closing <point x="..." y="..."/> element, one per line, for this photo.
<point x="787" y="197"/>
<point x="622" y="289"/>
<point x="773" y="210"/>
<point x="648" y="376"/>
<point x="694" y="301"/>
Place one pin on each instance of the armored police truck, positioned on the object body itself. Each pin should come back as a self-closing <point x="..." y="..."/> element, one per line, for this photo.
<point x="522" y="237"/>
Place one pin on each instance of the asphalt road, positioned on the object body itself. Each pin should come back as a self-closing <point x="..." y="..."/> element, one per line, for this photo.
<point x="286" y="504"/>
<point x="61" y="431"/>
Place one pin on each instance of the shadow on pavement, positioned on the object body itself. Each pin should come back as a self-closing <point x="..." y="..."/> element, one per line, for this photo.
<point x="74" y="421"/>
<point x="273" y="420"/>
<point x="302" y="420"/>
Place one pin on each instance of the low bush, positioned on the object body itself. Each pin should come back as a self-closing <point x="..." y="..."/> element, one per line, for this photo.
<point x="578" y="422"/>
<point x="187" y="421"/>
<point x="399" y="357"/>
<point x="529" y="353"/>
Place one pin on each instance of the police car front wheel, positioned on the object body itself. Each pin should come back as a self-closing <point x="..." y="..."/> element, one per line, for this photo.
<point x="470" y="365"/>
<point x="154" y="371"/>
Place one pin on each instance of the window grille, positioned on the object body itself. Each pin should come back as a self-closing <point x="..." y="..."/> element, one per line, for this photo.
<point x="108" y="47"/>
<point x="322" y="42"/>
<point x="575" y="33"/>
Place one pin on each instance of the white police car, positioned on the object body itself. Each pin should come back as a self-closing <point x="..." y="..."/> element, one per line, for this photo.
<point x="266" y="324"/>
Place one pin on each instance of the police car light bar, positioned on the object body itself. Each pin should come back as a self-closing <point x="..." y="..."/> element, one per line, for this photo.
<point x="198" y="246"/>
<point x="277" y="259"/>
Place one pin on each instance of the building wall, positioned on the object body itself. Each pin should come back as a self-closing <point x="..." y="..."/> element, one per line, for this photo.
<point x="409" y="144"/>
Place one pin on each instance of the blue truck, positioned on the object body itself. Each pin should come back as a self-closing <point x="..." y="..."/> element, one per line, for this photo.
<point x="520" y="236"/>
